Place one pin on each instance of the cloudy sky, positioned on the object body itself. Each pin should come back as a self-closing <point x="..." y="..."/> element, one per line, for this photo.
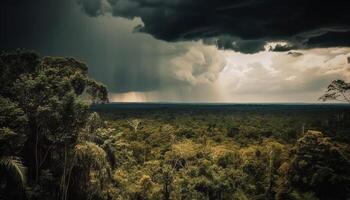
<point x="191" y="51"/>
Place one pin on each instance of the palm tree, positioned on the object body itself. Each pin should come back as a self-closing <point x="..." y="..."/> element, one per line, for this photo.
<point x="12" y="171"/>
<point x="12" y="178"/>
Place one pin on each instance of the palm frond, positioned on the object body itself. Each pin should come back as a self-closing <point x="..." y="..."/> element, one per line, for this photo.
<point x="14" y="169"/>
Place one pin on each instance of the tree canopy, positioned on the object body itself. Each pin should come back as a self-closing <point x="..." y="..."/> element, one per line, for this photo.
<point x="338" y="90"/>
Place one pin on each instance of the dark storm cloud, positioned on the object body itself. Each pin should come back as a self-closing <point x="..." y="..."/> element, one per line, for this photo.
<point x="241" y="25"/>
<point x="236" y="44"/>
<point x="294" y="54"/>
<point x="330" y="39"/>
<point x="123" y="61"/>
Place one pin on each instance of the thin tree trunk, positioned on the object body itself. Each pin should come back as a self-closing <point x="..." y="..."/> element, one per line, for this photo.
<point x="45" y="156"/>
<point x="68" y="181"/>
<point x="63" y="182"/>
<point x="36" y="157"/>
<point x="270" y="178"/>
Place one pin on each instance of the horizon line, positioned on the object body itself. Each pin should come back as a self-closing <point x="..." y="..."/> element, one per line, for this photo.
<point x="237" y="103"/>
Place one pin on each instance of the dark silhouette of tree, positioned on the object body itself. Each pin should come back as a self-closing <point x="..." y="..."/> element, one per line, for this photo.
<point x="338" y="90"/>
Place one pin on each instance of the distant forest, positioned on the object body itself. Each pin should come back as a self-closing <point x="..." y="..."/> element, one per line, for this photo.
<point x="53" y="146"/>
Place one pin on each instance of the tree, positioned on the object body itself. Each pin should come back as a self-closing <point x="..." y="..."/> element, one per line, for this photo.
<point x="12" y="124"/>
<point x="53" y="94"/>
<point x="338" y="90"/>
<point x="90" y="172"/>
<point x="13" y="64"/>
<point x="12" y="176"/>
<point x="134" y="124"/>
<point x="321" y="166"/>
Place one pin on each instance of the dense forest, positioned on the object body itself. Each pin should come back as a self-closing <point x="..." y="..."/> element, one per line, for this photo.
<point x="54" y="145"/>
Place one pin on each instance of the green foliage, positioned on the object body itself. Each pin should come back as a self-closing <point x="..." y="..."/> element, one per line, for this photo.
<point x="12" y="181"/>
<point x="321" y="166"/>
<point x="12" y="65"/>
<point x="44" y="109"/>
<point x="191" y="158"/>
<point x="12" y="172"/>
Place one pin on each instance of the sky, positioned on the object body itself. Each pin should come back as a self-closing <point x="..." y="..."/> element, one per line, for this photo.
<point x="239" y="51"/>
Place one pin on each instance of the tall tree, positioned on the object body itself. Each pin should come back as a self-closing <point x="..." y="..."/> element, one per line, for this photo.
<point x="338" y="90"/>
<point x="12" y="124"/>
<point x="54" y="94"/>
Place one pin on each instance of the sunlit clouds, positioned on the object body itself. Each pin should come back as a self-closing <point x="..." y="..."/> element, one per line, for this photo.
<point x="228" y="76"/>
<point x="277" y="76"/>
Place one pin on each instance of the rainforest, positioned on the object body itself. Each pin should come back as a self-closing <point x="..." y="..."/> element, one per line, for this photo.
<point x="61" y="139"/>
